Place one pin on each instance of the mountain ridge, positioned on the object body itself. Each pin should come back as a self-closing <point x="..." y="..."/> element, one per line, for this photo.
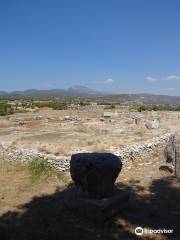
<point x="76" y="90"/>
<point x="83" y="91"/>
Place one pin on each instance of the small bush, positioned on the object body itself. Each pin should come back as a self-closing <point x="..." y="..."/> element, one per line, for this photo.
<point x="112" y="106"/>
<point x="141" y="108"/>
<point x="41" y="169"/>
<point x="5" y="109"/>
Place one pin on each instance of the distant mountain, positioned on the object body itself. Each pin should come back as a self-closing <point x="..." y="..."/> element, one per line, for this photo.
<point x="35" y="92"/>
<point x="101" y="97"/>
<point x="146" y="99"/>
<point x="82" y="90"/>
<point x="2" y="93"/>
<point x="76" y="90"/>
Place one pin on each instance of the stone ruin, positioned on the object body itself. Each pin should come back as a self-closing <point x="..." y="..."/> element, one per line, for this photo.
<point x="136" y="118"/>
<point x="152" y="124"/>
<point x="95" y="173"/>
<point x="1" y="152"/>
<point x="94" y="195"/>
<point x="109" y="114"/>
<point x="172" y="155"/>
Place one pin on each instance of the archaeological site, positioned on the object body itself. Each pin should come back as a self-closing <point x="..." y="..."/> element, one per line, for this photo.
<point x="90" y="173"/>
<point x="90" y="120"/>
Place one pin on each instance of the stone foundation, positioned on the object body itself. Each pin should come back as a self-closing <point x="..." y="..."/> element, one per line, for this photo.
<point x="62" y="163"/>
<point x="96" y="210"/>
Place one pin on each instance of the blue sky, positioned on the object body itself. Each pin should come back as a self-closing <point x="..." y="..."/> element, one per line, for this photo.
<point x="113" y="45"/>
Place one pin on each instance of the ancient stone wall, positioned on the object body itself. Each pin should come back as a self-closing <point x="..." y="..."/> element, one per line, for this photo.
<point x="62" y="163"/>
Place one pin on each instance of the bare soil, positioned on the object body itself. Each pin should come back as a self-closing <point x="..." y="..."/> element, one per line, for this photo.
<point x="50" y="131"/>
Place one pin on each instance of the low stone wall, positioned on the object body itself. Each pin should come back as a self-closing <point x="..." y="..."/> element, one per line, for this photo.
<point x="62" y="163"/>
<point x="149" y="146"/>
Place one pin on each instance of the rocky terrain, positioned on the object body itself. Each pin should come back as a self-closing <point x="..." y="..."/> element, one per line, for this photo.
<point x="56" y="135"/>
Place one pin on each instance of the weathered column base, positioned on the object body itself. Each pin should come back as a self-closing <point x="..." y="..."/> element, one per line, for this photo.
<point x="96" y="210"/>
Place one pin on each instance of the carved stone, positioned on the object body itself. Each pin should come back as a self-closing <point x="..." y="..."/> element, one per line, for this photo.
<point x="95" y="173"/>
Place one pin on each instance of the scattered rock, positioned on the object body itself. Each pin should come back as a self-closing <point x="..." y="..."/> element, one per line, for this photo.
<point x="110" y="114"/>
<point x="102" y="119"/>
<point x="67" y="118"/>
<point x="153" y="124"/>
<point x="136" y="118"/>
<point x="166" y="168"/>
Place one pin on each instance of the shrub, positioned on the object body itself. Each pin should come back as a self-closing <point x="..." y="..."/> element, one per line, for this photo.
<point x="112" y="106"/>
<point x="55" y="105"/>
<point x="158" y="108"/>
<point x="41" y="169"/>
<point x="141" y="108"/>
<point x="5" y="109"/>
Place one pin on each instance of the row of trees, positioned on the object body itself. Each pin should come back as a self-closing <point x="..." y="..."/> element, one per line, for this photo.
<point x="158" y="108"/>
<point x="52" y="104"/>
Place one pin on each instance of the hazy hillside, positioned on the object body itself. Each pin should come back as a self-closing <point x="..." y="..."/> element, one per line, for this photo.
<point x="142" y="99"/>
<point x="72" y="91"/>
<point x="93" y="95"/>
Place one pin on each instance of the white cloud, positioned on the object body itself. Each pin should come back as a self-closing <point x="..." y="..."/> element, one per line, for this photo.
<point x="151" y="79"/>
<point x="167" y="78"/>
<point x="109" y="80"/>
<point x="173" y="77"/>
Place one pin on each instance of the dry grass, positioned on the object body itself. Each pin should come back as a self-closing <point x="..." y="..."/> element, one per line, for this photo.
<point x="14" y="179"/>
<point x="17" y="186"/>
<point x="141" y="133"/>
<point x="55" y="149"/>
<point x="91" y="128"/>
<point x="98" y="147"/>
